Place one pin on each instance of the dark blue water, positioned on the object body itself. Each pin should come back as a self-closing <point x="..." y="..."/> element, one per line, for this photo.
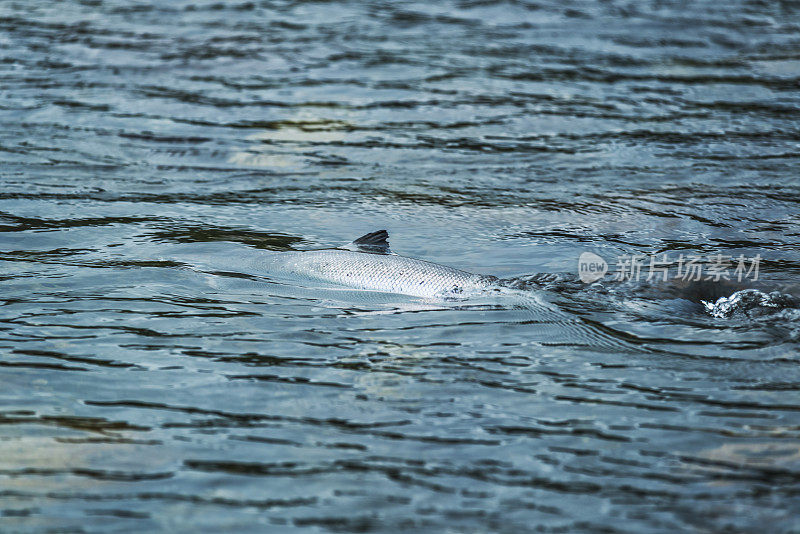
<point x="139" y="140"/>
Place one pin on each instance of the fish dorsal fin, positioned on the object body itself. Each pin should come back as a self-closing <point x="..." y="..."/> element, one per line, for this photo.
<point x="373" y="242"/>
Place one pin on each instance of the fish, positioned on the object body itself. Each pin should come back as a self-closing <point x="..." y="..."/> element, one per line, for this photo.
<point x="369" y="264"/>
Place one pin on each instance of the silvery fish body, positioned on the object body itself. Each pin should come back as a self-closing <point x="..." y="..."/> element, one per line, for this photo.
<point x="371" y="266"/>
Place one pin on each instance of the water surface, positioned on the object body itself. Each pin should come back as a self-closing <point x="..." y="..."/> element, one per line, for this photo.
<point x="138" y="140"/>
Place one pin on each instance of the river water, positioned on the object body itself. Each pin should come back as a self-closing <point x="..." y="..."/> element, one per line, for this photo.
<point x="140" y="140"/>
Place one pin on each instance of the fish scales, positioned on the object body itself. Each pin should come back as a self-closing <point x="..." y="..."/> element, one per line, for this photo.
<point x="381" y="272"/>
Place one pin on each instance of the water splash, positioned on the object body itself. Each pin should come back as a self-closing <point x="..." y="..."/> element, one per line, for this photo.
<point x="749" y="302"/>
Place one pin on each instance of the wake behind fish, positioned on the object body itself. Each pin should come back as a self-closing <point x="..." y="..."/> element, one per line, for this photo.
<point x="750" y="302"/>
<point x="365" y="278"/>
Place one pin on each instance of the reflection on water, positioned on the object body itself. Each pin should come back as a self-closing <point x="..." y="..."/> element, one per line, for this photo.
<point x="151" y="380"/>
<point x="281" y="143"/>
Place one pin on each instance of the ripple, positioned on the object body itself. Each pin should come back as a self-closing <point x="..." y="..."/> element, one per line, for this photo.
<point x="150" y="382"/>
